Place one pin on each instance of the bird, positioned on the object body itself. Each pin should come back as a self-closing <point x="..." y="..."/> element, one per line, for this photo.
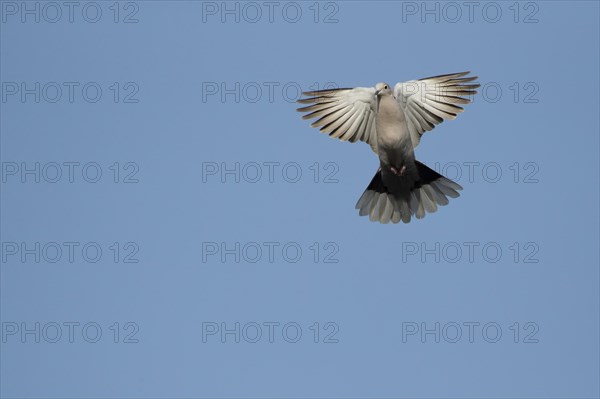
<point x="392" y="122"/>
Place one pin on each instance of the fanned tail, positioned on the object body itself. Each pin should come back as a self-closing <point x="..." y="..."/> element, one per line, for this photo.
<point x="398" y="198"/>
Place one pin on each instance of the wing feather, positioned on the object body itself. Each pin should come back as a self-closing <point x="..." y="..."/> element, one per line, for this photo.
<point x="429" y="101"/>
<point x="345" y="114"/>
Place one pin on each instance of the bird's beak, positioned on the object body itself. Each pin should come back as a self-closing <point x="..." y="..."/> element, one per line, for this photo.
<point x="377" y="92"/>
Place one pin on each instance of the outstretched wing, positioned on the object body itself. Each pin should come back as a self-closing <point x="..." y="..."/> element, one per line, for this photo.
<point x="429" y="101"/>
<point x="346" y="114"/>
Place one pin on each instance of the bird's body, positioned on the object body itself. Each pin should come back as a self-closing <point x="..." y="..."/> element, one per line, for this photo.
<point x="395" y="148"/>
<point x="392" y="123"/>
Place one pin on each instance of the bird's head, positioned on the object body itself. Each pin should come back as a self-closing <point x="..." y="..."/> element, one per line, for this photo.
<point x="382" y="89"/>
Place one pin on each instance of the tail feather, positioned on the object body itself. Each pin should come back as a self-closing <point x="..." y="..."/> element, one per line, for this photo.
<point x="398" y="198"/>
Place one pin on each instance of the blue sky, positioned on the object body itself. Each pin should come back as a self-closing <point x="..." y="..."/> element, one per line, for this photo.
<point x="171" y="227"/>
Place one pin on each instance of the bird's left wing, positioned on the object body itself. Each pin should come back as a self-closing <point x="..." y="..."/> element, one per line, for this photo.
<point x="428" y="102"/>
<point x="346" y="114"/>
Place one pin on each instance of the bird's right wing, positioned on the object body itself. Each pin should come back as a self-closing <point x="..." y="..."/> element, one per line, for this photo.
<point x="346" y="114"/>
<point x="428" y="102"/>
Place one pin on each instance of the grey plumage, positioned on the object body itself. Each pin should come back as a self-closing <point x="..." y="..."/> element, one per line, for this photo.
<point x="392" y="123"/>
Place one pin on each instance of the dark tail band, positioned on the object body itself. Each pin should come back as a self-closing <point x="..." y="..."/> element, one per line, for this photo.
<point x="402" y="196"/>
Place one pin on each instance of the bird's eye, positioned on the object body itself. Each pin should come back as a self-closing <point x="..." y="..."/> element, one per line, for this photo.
<point x="385" y="87"/>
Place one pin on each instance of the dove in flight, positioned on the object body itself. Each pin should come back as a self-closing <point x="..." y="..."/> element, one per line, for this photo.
<point x="392" y="123"/>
